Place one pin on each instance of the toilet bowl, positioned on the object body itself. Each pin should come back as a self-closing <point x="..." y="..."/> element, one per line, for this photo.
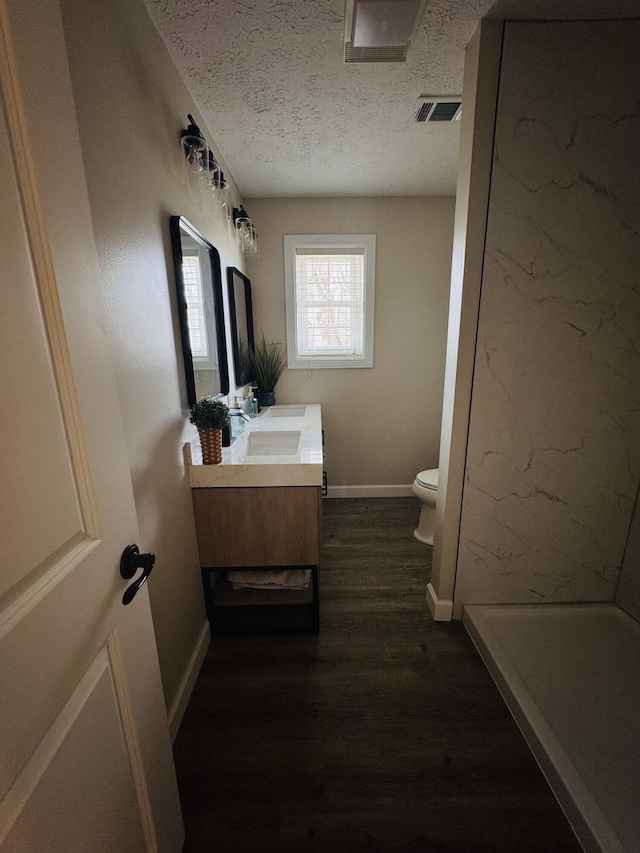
<point x="425" y="488"/>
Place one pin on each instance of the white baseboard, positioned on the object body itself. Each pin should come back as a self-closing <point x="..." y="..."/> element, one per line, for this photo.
<point x="441" y="609"/>
<point x="179" y="704"/>
<point x="397" y="491"/>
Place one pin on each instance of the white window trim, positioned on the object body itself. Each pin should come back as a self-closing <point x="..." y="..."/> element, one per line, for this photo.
<point x="341" y="243"/>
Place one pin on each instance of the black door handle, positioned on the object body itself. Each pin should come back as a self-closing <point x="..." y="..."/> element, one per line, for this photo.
<point x="130" y="561"/>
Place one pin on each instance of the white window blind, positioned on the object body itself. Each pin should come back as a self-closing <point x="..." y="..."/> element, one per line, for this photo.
<point x="195" y="305"/>
<point x="329" y="300"/>
<point x="330" y="303"/>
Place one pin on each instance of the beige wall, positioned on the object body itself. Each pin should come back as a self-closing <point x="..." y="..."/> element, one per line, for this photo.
<point x="131" y="106"/>
<point x="382" y="424"/>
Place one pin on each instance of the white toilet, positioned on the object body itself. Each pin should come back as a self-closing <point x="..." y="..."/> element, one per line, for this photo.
<point x="425" y="488"/>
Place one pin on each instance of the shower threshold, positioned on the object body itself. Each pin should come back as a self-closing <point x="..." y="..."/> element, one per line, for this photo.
<point x="570" y="675"/>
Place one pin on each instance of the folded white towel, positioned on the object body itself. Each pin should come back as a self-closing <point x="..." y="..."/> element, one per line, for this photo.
<point x="285" y="579"/>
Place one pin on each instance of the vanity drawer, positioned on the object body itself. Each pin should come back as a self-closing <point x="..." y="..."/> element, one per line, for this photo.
<point x="268" y="526"/>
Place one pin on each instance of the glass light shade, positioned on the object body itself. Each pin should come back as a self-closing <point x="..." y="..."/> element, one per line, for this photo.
<point x="220" y="191"/>
<point x="247" y="236"/>
<point x="254" y="249"/>
<point x="242" y="224"/>
<point x="195" y="157"/>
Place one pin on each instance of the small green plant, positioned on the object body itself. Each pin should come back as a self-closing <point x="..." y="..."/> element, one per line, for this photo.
<point x="209" y="413"/>
<point x="268" y="360"/>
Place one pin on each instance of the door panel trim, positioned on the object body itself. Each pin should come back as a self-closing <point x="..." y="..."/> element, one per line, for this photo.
<point x="131" y="738"/>
<point x="108" y="659"/>
<point x="44" y="273"/>
<point x="31" y="773"/>
<point x="42" y="579"/>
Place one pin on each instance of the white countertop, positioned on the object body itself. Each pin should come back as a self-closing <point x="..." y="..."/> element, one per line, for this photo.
<point x="239" y="469"/>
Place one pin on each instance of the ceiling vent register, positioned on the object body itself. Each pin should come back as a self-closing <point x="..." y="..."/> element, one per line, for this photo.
<point x="375" y="54"/>
<point x="380" y="30"/>
<point x="442" y="108"/>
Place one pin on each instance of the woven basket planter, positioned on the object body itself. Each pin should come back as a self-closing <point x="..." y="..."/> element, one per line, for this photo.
<point x="211" y="443"/>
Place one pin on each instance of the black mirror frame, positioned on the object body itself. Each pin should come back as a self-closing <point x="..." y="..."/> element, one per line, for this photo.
<point x="232" y="272"/>
<point x="178" y="224"/>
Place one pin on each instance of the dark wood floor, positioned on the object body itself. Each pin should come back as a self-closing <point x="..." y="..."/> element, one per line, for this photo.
<point x="385" y="733"/>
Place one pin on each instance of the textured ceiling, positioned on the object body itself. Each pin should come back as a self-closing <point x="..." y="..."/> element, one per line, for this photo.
<point x="291" y="119"/>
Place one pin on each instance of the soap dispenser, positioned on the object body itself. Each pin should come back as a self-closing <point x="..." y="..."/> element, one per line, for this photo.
<point x="251" y="405"/>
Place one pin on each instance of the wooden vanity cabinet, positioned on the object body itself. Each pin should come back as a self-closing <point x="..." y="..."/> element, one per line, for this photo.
<point x="259" y="528"/>
<point x="267" y="526"/>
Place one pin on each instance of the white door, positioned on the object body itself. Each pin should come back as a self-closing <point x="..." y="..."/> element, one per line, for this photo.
<point x="85" y="756"/>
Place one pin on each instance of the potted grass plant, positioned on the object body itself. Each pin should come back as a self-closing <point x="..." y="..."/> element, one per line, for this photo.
<point x="210" y="415"/>
<point x="268" y="360"/>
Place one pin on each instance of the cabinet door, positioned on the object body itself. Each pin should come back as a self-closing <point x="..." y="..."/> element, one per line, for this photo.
<point x="271" y="526"/>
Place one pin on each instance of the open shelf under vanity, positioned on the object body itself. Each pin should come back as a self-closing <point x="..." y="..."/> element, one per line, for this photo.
<point x="241" y="612"/>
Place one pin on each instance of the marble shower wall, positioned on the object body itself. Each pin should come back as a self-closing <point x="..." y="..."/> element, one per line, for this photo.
<point x="553" y="460"/>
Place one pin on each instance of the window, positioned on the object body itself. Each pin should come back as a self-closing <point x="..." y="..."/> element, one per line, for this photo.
<point x="200" y="310"/>
<point x="330" y="285"/>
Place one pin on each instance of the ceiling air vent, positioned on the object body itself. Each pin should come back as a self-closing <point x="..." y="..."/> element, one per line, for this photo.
<point x="374" y="54"/>
<point x="440" y="108"/>
<point x="380" y="30"/>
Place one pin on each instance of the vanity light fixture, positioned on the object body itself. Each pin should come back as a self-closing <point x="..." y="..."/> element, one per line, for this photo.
<point x="246" y="232"/>
<point x="201" y="172"/>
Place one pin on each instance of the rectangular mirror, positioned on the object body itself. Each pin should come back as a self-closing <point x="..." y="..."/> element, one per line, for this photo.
<point x="200" y="308"/>
<point x="241" y="323"/>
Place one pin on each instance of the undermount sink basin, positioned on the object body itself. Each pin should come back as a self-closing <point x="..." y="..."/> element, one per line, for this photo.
<point x="273" y="443"/>
<point x="285" y="412"/>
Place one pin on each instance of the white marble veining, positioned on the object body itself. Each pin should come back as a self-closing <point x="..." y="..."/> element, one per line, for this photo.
<point x="240" y="468"/>
<point x="553" y="460"/>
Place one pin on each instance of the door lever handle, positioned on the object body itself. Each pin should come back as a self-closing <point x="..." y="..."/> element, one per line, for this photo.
<point x="130" y="561"/>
